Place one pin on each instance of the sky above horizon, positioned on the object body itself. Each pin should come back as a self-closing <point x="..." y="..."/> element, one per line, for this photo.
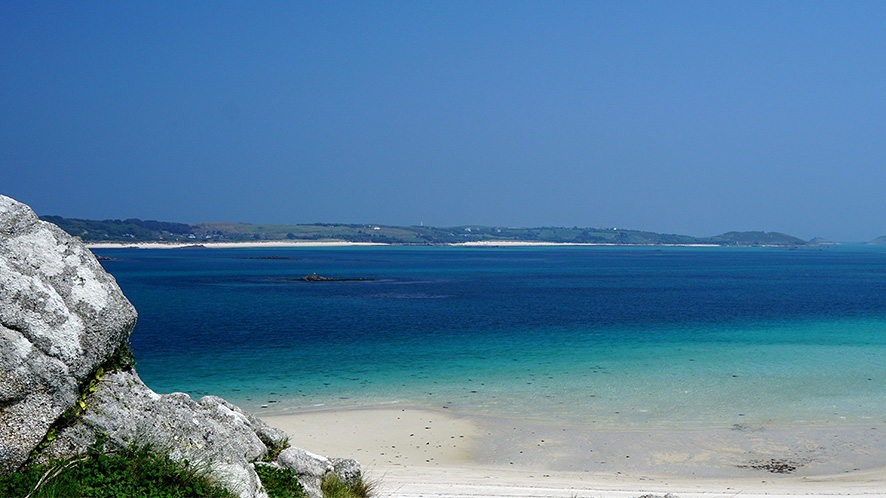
<point x="694" y="118"/>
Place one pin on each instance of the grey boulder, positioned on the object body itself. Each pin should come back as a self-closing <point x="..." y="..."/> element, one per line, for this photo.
<point x="311" y="469"/>
<point x="61" y="317"/>
<point x="211" y="432"/>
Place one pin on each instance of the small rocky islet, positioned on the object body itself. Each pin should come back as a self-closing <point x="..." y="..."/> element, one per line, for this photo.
<point x="313" y="277"/>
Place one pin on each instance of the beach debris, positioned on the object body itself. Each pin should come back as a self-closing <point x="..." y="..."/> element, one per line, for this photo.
<point x="774" y="466"/>
<point x="746" y="428"/>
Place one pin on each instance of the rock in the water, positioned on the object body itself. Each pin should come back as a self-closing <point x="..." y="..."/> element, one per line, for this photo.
<point x="61" y="317"/>
<point x="313" y="277"/>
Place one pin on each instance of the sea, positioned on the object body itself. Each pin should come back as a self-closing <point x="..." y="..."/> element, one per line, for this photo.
<point x="572" y="335"/>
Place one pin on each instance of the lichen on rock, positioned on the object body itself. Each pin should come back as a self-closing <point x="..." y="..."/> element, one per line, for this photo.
<point x="61" y="316"/>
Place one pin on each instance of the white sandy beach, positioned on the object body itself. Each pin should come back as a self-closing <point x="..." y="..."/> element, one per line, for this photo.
<point x="522" y="243"/>
<point x="426" y="453"/>
<point x="340" y="243"/>
<point x="288" y="243"/>
<point x="225" y="245"/>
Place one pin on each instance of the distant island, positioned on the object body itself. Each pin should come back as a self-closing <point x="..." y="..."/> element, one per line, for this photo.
<point x="136" y="230"/>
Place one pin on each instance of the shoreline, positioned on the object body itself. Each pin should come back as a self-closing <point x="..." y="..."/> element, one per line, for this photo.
<point x="225" y="245"/>
<point x="341" y="243"/>
<point x="427" y="452"/>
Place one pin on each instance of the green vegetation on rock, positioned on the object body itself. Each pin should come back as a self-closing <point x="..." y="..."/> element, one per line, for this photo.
<point x="274" y="449"/>
<point x="132" y="471"/>
<point x="334" y="487"/>
<point x="142" y="471"/>
<point x="121" y="359"/>
<point x="279" y="483"/>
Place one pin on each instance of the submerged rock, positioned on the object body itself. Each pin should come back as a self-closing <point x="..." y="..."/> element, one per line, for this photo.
<point x="61" y="316"/>
<point x="313" y="277"/>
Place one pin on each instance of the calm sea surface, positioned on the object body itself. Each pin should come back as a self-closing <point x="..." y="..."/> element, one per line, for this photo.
<point x="574" y="335"/>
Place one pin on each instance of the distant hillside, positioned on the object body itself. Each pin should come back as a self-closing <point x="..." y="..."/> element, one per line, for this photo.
<point x="879" y="241"/>
<point x="135" y="230"/>
<point x="756" y="239"/>
<point x="117" y="230"/>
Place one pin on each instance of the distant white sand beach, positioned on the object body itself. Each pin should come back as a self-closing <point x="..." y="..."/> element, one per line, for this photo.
<point x="526" y="243"/>
<point x="342" y="243"/>
<point x="226" y="245"/>
<point x="425" y="453"/>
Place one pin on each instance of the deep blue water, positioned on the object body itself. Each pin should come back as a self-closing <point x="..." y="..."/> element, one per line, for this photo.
<point x="583" y="335"/>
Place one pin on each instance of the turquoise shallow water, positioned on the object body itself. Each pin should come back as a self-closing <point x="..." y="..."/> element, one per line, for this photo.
<point x="589" y="336"/>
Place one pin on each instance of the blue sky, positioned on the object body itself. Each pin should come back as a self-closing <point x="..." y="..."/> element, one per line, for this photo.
<point x="680" y="117"/>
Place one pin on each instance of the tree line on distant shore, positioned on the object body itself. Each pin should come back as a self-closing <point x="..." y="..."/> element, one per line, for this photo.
<point x="130" y="229"/>
<point x="136" y="230"/>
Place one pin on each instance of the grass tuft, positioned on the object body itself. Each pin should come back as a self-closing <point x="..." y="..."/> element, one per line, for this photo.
<point x="132" y="471"/>
<point x="274" y="449"/>
<point x="279" y="483"/>
<point x="333" y="487"/>
<point x="121" y="359"/>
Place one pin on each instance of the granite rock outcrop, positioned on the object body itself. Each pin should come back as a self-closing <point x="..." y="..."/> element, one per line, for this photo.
<point x="61" y="318"/>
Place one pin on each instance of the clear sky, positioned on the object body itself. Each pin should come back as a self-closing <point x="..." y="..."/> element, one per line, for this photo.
<point x="679" y="117"/>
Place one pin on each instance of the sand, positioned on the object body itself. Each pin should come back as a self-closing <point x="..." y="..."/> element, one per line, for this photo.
<point x="525" y="243"/>
<point x="341" y="243"/>
<point x="434" y="453"/>
<point x="385" y="437"/>
<point x="224" y="245"/>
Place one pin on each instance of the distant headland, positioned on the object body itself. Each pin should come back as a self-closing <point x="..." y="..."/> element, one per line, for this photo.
<point x="151" y="231"/>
